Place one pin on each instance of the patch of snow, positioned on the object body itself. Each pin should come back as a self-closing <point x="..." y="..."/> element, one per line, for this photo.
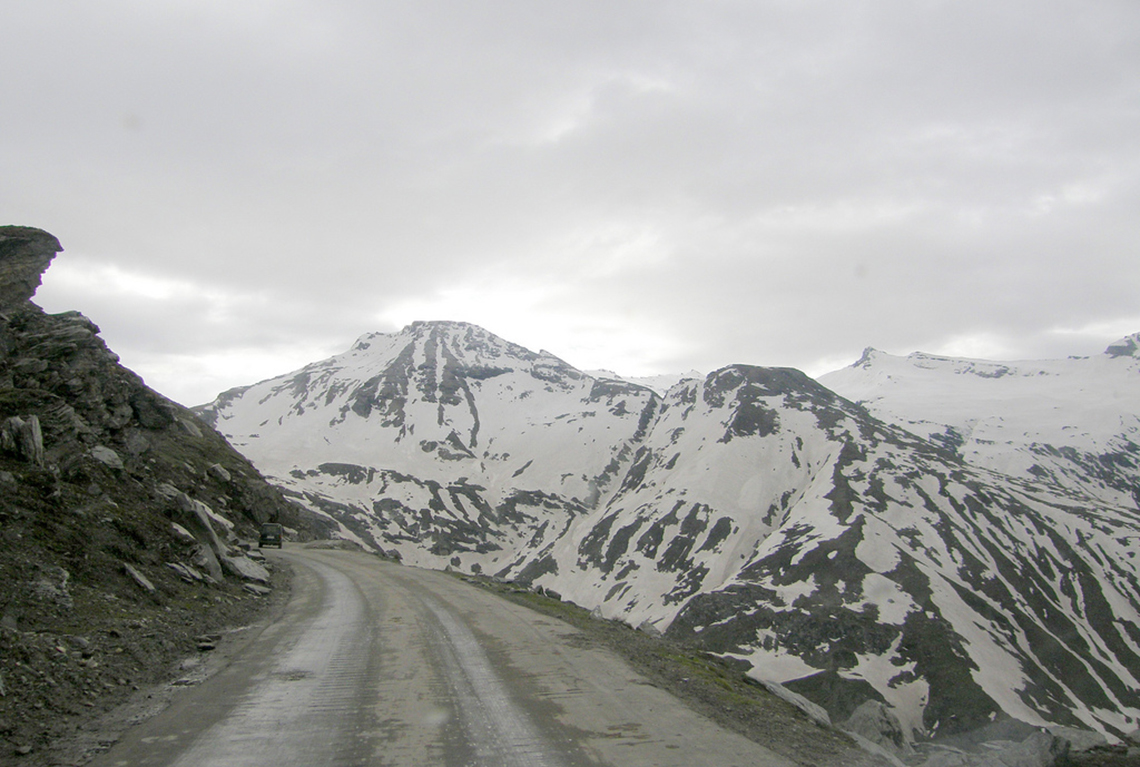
<point x="893" y="603"/>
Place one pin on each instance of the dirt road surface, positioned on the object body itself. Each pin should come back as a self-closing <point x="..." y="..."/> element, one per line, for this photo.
<point x="372" y="663"/>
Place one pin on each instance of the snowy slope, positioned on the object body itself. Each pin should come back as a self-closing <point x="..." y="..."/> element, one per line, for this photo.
<point x="1073" y="422"/>
<point x="849" y="559"/>
<point x="753" y="511"/>
<point x="661" y="383"/>
<point x="437" y="424"/>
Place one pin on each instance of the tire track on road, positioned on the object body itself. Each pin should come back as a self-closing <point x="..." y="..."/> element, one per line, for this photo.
<point x="307" y="709"/>
<point x="499" y="732"/>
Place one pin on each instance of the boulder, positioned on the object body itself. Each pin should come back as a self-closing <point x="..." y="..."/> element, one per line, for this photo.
<point x="23" y="438"/>
<point x="816" y="712"/>
<point x="50" y="586"/>
<point x="205" y="558"/>
<point x="646" y="627"/>
<point x="195" y="516"/>
<point x="875" y="722"/>
<point x="244" y="568"/>
<point x="1070" y="740"/>
<point x="181" y="533"/>
<point x="107" y="457"/>
<point x="1035" y="751"/>
<point x="1042" y="748"/>
<point x="185" y="572"/>
<point x="140" y="580"/>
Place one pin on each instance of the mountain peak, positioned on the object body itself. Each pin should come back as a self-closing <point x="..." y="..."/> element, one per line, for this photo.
<point x="426" y="326"/>
<point x="463" y="340"/>
<point x="867" y="357"/>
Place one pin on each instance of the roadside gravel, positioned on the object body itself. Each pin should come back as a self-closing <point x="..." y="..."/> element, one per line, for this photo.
<point x="90" y="671"/>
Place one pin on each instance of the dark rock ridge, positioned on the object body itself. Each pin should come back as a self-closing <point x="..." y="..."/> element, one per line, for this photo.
<point x="25" y="254"/>
<point x="754" y="513"/>
<point x="124" y="519"/>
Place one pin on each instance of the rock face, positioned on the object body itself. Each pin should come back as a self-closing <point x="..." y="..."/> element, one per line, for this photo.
<point x="753" y="512"/>
<point x="25" y="254"/>
<point x="97" y="583"/>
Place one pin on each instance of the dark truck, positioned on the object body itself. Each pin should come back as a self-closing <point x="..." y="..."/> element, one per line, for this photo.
<point x="272" y="534"/>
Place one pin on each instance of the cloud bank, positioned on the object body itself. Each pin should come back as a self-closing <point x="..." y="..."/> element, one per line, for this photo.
<point x="646" y="187"/>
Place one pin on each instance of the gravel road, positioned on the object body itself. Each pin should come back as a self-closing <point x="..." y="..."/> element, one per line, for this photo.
<point x="372" y="663"/>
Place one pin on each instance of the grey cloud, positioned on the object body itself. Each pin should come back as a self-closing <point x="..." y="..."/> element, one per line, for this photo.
<point x="766" y="182"/>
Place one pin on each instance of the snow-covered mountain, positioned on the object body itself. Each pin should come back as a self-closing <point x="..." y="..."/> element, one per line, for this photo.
<point x="1074" y="422"/>
<point x="752" y="511"/>
<point x="441" y="441"/>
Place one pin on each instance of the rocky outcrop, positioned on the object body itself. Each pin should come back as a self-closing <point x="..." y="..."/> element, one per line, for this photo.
<point x="875" y="722"/>
<point x="25" y="254"/>
<point x="69" y="407"/>
<point x="1006" y="744"/>
<point x="23" y="439"/>
<point x="110" y="496"/>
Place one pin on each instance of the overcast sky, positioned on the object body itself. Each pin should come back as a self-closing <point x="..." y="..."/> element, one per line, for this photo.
<point x="245" y="186"/>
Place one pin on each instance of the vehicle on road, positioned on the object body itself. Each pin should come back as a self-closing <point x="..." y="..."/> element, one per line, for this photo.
<point x="272" y="534"/>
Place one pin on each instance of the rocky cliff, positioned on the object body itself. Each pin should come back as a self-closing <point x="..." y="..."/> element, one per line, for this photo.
<point x="124" y="520"/>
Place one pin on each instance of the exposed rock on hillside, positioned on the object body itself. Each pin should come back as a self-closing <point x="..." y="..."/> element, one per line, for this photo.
<point x="25" y="254"/>
<point x="116" y="505"/>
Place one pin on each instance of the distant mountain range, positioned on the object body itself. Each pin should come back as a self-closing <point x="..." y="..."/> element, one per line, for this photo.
<point x="954" y="538"/>
<point x="1073" y="423"/>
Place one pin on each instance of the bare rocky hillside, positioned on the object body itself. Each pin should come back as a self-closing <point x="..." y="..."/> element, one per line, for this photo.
<point x="124" y="520"/>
